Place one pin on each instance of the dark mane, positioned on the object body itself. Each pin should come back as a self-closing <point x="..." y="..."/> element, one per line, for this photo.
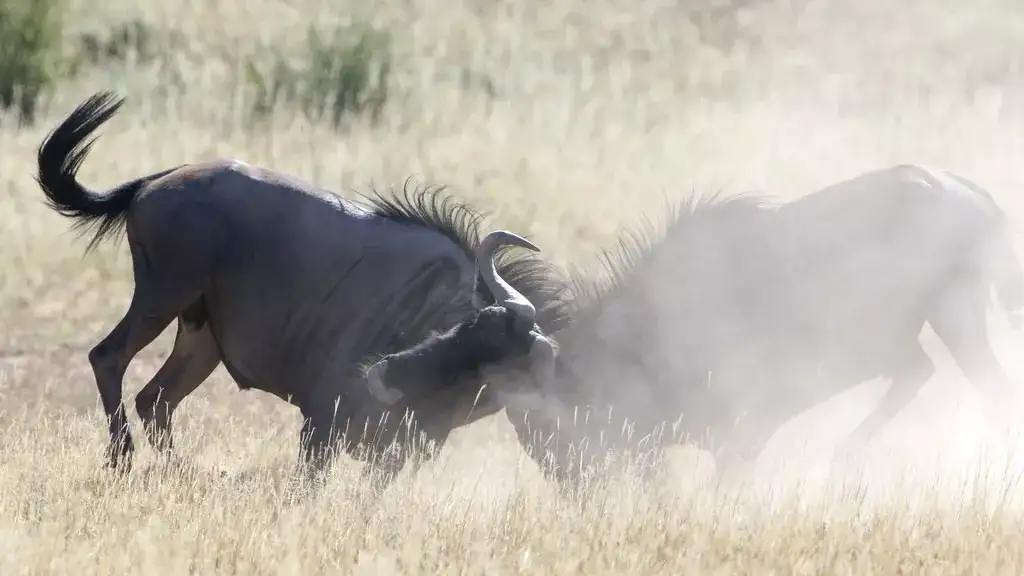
<point x="544" y="284"/>
<point x="430" y="207"/>
<point x="637" y="247"/>
<point x="434" y="208"/>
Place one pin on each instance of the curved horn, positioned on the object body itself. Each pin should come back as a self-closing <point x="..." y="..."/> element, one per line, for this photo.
<point x="504" y="294"/>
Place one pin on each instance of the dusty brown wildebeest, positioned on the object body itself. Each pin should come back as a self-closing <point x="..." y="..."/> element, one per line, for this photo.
<point x="293" y="288"/>
<point x="747" y="311"/>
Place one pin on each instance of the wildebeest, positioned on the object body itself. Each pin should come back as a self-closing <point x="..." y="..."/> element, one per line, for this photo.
<point x="745" y="312"/>
<point x="293" y="288"/>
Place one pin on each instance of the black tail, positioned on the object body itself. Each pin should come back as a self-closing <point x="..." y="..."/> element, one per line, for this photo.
<point x="59" y="157"/>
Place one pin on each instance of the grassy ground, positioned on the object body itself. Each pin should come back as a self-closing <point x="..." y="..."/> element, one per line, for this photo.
<point x="566" y="121"/>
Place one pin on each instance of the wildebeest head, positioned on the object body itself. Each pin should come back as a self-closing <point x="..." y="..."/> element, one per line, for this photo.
<point x="504" y="333"/>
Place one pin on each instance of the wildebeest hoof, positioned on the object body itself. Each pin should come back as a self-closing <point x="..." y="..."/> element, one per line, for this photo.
<point x="119" y="455"/>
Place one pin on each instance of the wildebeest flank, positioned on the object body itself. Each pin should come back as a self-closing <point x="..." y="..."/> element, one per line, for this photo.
<point x="291" y="287"/>
<point x="745" y="312"/>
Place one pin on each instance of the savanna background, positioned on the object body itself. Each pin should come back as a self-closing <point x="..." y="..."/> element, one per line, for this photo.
<point x="566" y="121"/>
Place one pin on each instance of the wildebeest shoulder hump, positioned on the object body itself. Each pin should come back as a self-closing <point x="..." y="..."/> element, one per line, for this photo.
<point x="433" y="207"/>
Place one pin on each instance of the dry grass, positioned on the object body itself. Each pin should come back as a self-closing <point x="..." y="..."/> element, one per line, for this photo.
<point x="566" y="120"/>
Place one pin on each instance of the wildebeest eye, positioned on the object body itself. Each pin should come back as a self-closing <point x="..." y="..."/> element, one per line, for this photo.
<point x="515" y="324"/>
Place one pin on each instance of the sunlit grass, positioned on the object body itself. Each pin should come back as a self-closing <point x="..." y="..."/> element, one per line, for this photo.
<point x="566" y="122"/>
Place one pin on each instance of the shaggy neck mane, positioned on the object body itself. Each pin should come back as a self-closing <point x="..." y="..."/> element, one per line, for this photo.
<point x="638" y="248"/>
<point x="435" y="209"/>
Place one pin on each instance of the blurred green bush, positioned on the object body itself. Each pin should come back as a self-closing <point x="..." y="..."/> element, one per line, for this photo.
<point x="340" y="74"/>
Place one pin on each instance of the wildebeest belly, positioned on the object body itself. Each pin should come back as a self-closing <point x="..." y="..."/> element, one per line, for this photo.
<point x="272" y="336"/>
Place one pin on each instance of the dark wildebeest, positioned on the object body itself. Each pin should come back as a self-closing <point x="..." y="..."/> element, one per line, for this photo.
<point x="294" y="289"/>
<point x="745" y="306"/>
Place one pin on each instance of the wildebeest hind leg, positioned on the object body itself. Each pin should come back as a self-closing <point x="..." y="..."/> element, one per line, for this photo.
<point x="110" y="359"/>
<point x="161" y="293"/>
<point x="960" y="322"/>
<point x="193" y="358"/>
<point x="912" y="370"/>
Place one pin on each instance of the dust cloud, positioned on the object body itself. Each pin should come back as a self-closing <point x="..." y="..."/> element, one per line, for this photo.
<point x="936" y="83"/>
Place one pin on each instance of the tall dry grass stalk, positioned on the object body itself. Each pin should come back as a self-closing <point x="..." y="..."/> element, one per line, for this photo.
<point x="566" y="120"/>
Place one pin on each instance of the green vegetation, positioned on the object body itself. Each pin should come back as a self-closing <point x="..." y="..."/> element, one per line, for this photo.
<point x="31" y="58"/>
<point x="129" y="39"/>
<point x="341" y="73"/>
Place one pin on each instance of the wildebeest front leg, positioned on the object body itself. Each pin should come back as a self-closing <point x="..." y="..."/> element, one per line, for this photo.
<point x="734" y="461"/>
<point x="317" y="448"/>
<point x="781" y="396"/>
<point x="384" y="465"/>
<point x="393" y="441"/>
<point x="913" y="370"/>
<point x="325" y="421"/>
<point x="960" y="321"/>
<point x="193" y="358"/>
